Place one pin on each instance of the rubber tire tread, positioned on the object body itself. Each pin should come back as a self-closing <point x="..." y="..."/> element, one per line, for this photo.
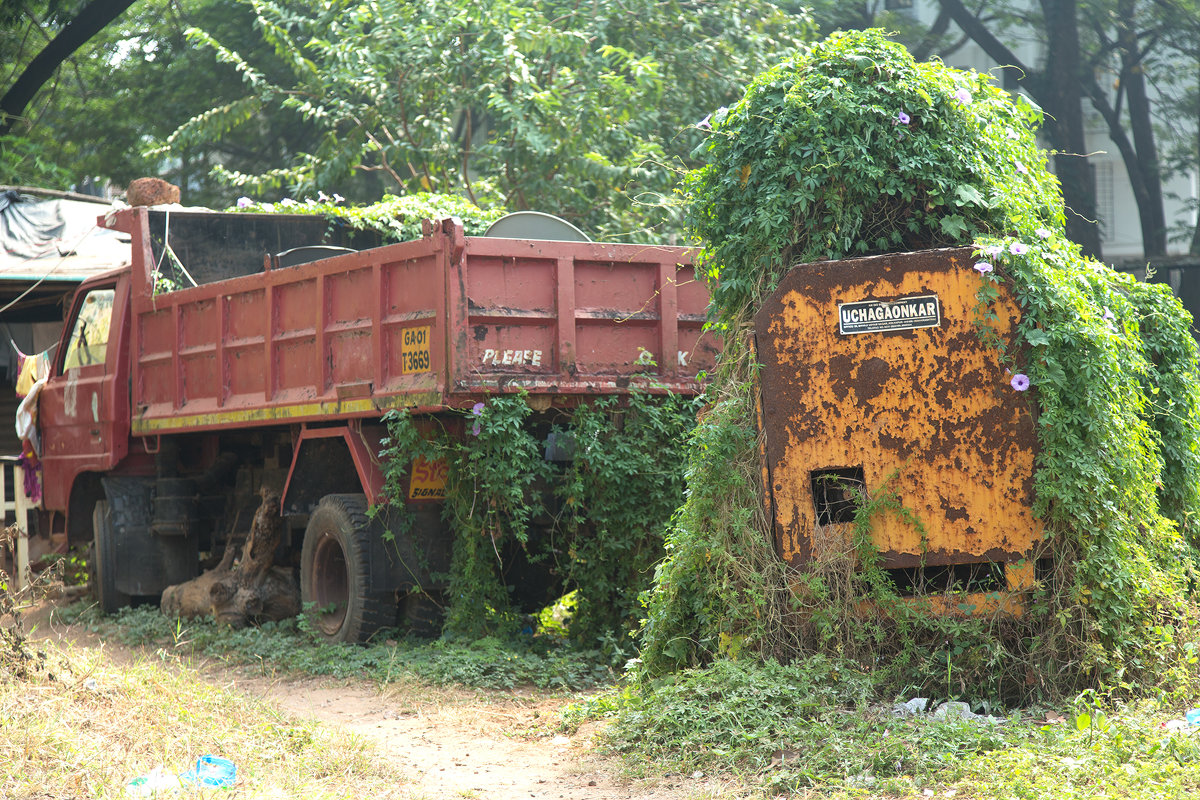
<point x="103" y="552"/>
<point x="346" y="517"/>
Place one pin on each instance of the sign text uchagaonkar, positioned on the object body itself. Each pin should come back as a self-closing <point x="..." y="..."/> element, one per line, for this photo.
<point x="905" y="313"/>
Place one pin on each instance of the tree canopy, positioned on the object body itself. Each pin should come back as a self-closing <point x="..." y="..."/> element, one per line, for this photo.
<point x="583" y="111"/>
<point x="134" y="83"/>
<point x="587" y="112"/>
<point x="34" y="60"/>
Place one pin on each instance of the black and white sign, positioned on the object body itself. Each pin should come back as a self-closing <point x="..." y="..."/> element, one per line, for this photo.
<point x="904" y="314"/>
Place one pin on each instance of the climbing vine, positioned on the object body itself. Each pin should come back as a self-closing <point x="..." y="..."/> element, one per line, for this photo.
<point x="617" y="494"/>
<point x="852" y="148"/>
<point x="545" y="504"/>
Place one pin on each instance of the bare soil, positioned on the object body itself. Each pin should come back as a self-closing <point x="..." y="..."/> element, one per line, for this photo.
<point x="453" y="743"/>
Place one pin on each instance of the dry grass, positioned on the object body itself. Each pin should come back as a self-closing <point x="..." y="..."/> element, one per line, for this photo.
<point x="86" y="726"/>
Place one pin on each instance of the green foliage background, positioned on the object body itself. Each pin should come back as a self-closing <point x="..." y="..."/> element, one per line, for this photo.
<point x="852" y="148"/>
<point x="581" y="111"/>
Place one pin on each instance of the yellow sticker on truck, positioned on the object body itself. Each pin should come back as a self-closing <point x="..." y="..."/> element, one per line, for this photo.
<point x="427" y="481"/>
<point x="414" y="350"/>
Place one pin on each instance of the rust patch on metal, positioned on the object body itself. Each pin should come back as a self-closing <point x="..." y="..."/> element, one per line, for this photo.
<point x="931" y="406"/>
<point x="894" y="559"/>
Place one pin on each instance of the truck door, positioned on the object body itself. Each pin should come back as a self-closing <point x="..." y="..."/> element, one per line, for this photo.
<point x="83" y="409"/>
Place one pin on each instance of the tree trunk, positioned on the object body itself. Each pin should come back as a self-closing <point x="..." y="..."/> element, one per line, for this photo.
<point x="1133" y="77"/>
<point x="1064" y="124"/>
<point x="251" y="591"/>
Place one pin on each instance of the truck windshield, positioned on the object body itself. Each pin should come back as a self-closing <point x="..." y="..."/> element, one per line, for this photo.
<point x="89" y="336"/>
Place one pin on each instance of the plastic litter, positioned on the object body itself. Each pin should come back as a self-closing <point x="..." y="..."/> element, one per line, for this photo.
<point x="953" y="709"/>
<point x="212" y="771"/>
<point x="919" y="706"/>
<point x="912" y="708"/>
<point x="1193" y="716"/>
<point x="156" y="783"/>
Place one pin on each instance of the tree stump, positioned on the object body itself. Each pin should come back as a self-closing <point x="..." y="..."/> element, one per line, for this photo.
<point x="251" y="590"/>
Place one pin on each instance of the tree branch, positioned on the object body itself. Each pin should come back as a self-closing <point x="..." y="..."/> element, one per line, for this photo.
<point x="996" y="50"/>
<point x="90" y="20"/>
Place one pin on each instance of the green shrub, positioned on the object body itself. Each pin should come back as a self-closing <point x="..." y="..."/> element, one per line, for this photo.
<point x="395" y="219"/>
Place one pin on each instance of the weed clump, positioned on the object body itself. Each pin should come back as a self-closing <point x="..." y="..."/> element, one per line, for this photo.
<point x="290" y="646"/>
<point x="852" y="148"/>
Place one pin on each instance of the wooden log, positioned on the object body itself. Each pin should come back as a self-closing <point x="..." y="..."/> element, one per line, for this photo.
<point x="250" y="590"/>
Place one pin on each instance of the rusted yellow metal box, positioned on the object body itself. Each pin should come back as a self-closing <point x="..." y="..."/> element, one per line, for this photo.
<point x="872" y="368"/>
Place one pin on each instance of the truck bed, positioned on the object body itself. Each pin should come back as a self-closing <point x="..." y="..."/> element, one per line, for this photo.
<point x="430" y="324"/>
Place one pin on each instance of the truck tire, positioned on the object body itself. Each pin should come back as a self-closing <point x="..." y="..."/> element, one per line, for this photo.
<point x="335" y="572"/>
<point x="103" y="560"/>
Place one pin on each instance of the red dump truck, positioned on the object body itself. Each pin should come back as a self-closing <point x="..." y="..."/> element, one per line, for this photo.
<point x="168" y="409"/>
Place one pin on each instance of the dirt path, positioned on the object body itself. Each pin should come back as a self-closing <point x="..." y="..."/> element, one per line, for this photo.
<point x="459" y="744"/>
<point x="453" y="743"/>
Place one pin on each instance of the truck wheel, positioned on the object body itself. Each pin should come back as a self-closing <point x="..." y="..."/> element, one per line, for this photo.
<point x="335" y="572"/>
<point x="102" y="561"/>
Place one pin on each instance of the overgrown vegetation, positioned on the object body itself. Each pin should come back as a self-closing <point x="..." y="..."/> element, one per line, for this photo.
<point x="394" y="219"/>
<point x="290" y="647"/>
<point x="588" y="519"/>
<point x="20" y="659"/>
<point x="851" y="149"/>
<point x="815" y="727"/>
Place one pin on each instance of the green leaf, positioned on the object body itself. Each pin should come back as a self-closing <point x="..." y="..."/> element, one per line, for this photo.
<point x="1037" y="336"/>
<point x="953" y="225"/>
<point x="966" y="194"/>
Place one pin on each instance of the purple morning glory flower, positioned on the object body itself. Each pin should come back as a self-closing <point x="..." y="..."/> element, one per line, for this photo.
<point x="903" y="118"/>
<point x="1020" y="381"/>
<point x="475" y="429"/>
<point x="1108" y="314"/>
<point x="993" y="249"/>
<point x="1018" y="248"/>
<point x="1021" y="168"/>
<point x="244" y="202"/>
<point x="962" y="95"/>
<point x="1043" y="232"/>
<point x="983" y="267"/>
<point x="477" y="409"/>
<point x="705" y="124"/>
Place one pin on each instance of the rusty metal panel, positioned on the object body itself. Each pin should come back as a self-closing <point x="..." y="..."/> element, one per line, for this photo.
<point x="924" y="400"/>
